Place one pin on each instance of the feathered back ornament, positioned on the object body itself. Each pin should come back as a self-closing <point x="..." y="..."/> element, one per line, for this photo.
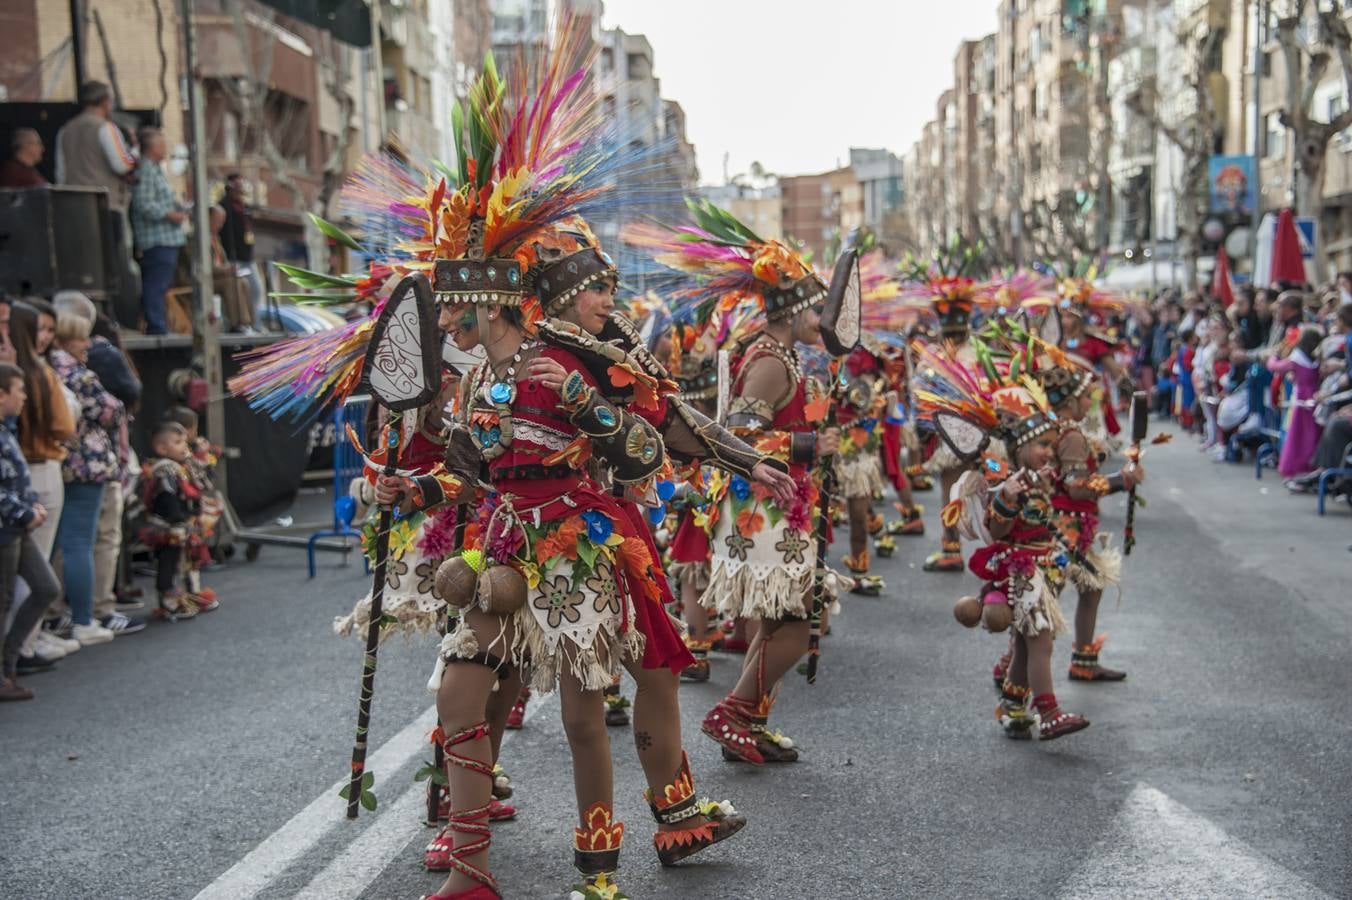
<point x="952" y="291"/>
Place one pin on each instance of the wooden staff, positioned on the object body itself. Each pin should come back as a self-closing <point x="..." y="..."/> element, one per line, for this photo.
<point x="1140" y="425"/>
<point x="368" y="667"/>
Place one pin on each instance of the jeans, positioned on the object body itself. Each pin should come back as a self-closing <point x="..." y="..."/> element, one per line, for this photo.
<point x="22" y="558"/>
<point x="75" y="540"/>
<point x="157" y="274"/>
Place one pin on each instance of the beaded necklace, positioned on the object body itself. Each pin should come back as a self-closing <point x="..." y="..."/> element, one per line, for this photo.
<point x="494" y="431"/>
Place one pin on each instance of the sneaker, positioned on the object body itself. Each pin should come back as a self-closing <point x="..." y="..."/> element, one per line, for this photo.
<point x="124" y="603"/>
<point x="12" y="690"/>
<point x="34" y="663"/>
<point x="119" y="624"/>
<point x="90" y="634"/>
<point x="61" y="627"/>
<point x="52" y="646"/>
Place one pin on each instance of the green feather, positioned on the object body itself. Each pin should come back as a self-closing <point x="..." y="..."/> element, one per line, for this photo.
<point x="333" y="232"/>
<point x="308" y="279"/>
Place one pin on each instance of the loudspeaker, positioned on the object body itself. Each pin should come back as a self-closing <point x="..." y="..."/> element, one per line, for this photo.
<point x="59" y="238"/>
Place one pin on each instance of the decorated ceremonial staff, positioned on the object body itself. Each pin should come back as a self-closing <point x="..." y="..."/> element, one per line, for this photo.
<point x="840" y="333"/>
<point x="1140" y="427"/>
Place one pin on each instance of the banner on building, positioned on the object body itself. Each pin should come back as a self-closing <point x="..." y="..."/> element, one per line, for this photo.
<point x="1230" y="180"/>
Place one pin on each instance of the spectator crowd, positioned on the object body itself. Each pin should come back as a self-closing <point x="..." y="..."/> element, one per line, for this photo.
<point x="146" y="217"/>
<point x="1268" y="374"/>
<point x="76" y="503"/>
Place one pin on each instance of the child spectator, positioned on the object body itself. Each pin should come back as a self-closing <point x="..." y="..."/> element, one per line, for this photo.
<point x="200" y="464"/>
<point x="1302" y="431"/>
<point x="172" y="506"/>
<point x="20" y="557"/>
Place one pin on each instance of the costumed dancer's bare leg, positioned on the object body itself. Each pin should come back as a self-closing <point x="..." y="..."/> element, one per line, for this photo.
<point x="1030" y="675"/>
<point x="685" y="824"/>
<point x="949" y="556"/>
<point x="1084" y="663"/>
<point x="462" y="698"/>
<point x="697" y="623"/>
<point x="776" y="648"/>
<point x="860" y="509"/>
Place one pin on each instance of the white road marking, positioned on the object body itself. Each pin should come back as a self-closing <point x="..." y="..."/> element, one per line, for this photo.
<point x="1157" y="847"/>
<point x="369" y="853"/>
<point x="306" y="828"/>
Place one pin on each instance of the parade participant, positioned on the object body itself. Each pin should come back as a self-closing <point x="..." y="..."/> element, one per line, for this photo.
<point x="858" y="470"/>
<point x="1007" y="506"/>
<point x="953" y="299"/>
<point x="172" y="503"/>
<point x="575" y="283"/>
<point x="1077" y="488"/>
<point x="1087" y="335"/>
<point x="764" y="551"/>
<point x="898" y="415"/>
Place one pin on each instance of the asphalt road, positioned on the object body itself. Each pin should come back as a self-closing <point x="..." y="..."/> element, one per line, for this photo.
<point x="201" y="759"/>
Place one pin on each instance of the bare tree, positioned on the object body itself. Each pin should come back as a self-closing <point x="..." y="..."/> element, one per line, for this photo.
<point x="1308" y="35"/>
<point x="1194" y="134"/>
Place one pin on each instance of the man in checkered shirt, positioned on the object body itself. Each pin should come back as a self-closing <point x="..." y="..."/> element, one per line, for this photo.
<point x="157" y="226"/>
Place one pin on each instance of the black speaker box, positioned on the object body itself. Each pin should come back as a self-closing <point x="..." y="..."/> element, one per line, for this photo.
<point x="58" y="238"/>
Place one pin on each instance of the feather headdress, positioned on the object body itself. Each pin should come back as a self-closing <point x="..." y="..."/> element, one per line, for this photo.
<point x="1008" y="404"/>
<point x="532" y="157"/>
<point x="718" y="262"/>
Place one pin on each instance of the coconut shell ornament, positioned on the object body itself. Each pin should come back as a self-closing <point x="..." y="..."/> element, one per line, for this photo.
<point x="456" y="581"/>
<point x="997" y="617"/>
<point x="968" y="611"/>
<point x="502" y="591"/>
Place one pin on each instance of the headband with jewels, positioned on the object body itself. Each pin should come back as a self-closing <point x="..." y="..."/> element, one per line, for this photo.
<point x="702" y="384"/>
<point x="559" y="282"/>
<point x="457" y="281"/>
<point x="787" y="302"/>
<point x="1006" y="404"/>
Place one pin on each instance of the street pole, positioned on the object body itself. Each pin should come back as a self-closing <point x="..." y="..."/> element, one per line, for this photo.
<point x="1258" y="21"/>
<point x="206" y="324"/>
<point x="77" y="43"/>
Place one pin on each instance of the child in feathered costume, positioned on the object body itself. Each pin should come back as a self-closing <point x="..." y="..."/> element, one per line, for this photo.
<point x="1008" y="507"/>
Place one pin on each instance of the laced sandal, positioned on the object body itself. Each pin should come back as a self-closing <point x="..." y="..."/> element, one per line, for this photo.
<point x="773" y="746"/>
<point x="517" y="717"/>
<point x="473" y="822"/>
<point x="1084" y="663"/>
<point x="497" y="812"/>
<point x="478" y="892"/>
<point x="596" y="854"/>
<point x="729" y="727"/>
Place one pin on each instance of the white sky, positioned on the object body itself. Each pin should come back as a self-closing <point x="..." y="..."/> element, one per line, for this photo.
<point x="794" y="84"/>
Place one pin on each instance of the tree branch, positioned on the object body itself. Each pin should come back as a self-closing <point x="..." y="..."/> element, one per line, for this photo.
<point x="1286" y="37"/>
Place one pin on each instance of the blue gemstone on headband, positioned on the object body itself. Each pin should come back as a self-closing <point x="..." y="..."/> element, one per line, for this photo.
<point x="464" y="273"/>
<point x="513" y="276"/>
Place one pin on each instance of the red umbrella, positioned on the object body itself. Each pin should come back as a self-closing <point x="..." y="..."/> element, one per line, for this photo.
<point x="1287" y="263"/>
<point x="1220" y="279"/>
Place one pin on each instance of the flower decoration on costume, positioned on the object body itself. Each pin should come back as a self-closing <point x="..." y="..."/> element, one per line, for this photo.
<point x="559" y="601"/>
<point x="599" y="526"/>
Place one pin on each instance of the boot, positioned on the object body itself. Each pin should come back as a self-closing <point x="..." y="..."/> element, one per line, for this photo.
<point x="920" y="480"/>
<point x="858" y="565"/>
<point x="678" y="804"/>
<point x="1084" y="663"/>
<point x="699" y="669"/>
<point x="617" y="707"/>
<point x="773" y="746"/>
<point x="596" y="854"/>
<point x="442" y="854"/>
<point x="875" y="522"/>
<point x="947" y="559"/>
<point x="1053" y="722"/>
<point x="517" y="717"/>
<point x="885" y="545"/>
<point x="729" y="725"/>
<point x="911" y="523"/>
<point x="1012" y="712"/>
